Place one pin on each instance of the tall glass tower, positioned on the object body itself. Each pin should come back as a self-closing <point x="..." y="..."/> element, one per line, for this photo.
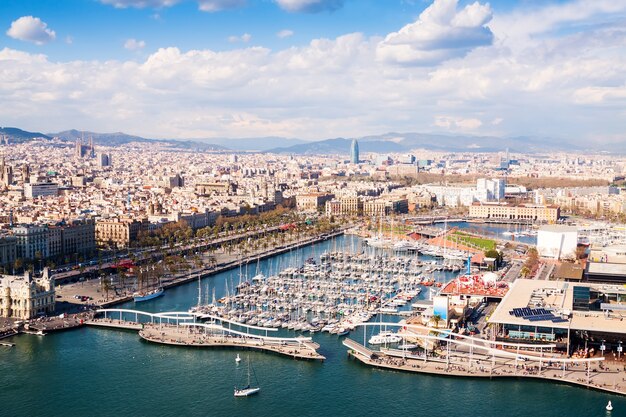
<point x="354" y="152"/>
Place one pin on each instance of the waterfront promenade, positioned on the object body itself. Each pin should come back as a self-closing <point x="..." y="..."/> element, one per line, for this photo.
<point x="595" y="375"/>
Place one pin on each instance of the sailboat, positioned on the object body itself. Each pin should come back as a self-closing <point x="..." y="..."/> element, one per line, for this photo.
<point x="248" y="390"/>
<point x="145" y="296"/>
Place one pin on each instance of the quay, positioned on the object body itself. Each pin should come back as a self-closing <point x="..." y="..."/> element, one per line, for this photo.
<point x="495" y="363"/>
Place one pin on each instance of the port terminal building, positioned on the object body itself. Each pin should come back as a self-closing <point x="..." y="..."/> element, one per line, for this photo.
<point x="574" y="316"/>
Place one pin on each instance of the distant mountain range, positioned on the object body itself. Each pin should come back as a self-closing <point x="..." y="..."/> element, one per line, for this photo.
<point x="391" y="142"/>
<point x="339" y="146"/>
<point x="18" y="135"/>
<point x="261" y="144"/>
<point x="119" y="138"/>
<point x="404" y="142"/>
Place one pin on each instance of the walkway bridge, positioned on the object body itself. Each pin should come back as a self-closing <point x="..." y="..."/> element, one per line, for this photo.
<point x="181" y="328"/>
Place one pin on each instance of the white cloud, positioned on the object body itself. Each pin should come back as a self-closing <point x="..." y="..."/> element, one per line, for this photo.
<point x="441" y="32"/>
<point x="134" y="45"/>
<point x="204" y="5"/>
<point x="285" y="33"/>
<point x="69" y="40"/>
<point x="218" y="5"/>
<point x="31" y="29"/>
<point x="520" y="26"/>
<point x="457" y="123"/>
<point x="566" y="84"/>
<point x="140" y="4"/>
<point x="310" y="6"/>
<point x="245" y="38"/>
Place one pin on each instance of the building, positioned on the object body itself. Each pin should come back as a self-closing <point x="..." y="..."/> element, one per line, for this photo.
<point x="8" y="250"/>
<point x="173" y="181"/>
<point x="24" y="297"/>
<point x="344" y="206"/>
<point x="118" y="232"/>
<point x="557" y="242"/>
<point x="221" y="188"/>
<point x="504" y="211"/>
<point x="577" y="315"/>
<point x="385" y="206"/>
<point x="490" y="189"/>
<point x="103" y="160"/>
<point x="312" y="201"/>
<point x="81" y="150"/>
<point x="40" y="189"/>
<point x="354" y="152"/>
<point x="77" y="236"/>
<point x="32" y="241"/>
<point x="6" y="173"/>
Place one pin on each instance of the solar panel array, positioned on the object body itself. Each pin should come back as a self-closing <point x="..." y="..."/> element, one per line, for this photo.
<point x="536" y="314"/>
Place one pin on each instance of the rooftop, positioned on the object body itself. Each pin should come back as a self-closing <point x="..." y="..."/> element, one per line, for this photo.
<point x="557" y="297"/>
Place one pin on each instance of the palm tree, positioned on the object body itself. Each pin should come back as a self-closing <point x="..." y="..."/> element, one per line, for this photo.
<point x="436" y="319"/>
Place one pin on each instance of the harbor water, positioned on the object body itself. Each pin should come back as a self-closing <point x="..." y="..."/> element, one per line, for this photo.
<point x="98" y="372"/>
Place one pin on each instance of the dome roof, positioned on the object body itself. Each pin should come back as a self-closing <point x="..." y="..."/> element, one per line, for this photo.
<point x="490" y="277"/>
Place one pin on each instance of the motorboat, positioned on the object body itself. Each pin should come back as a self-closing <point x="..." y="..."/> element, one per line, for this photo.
<point x="384" y="338"/>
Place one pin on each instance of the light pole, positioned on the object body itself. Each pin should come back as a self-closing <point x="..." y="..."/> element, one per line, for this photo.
<point x="619" y="350"/>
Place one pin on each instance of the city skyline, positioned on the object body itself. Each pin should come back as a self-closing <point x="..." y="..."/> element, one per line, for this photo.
<point x="315" y="69"/>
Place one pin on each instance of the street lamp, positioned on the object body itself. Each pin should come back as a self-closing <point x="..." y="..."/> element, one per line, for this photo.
<point x="619" y="350"/>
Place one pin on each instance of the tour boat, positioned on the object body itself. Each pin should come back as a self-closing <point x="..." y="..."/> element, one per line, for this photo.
<point x="609" y="406"/>
<point x="248" y="390"/>
<point x="385" y="337"/>
<point x="148" y="296"/>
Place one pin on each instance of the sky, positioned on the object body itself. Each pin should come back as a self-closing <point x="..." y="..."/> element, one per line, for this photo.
<point x="316" y="69"/>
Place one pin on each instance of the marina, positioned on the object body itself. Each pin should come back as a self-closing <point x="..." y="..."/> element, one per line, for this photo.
<point x="334" y="294"/>
<point x="205" y="377"/>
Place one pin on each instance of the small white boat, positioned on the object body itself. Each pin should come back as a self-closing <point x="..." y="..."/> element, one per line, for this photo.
<point x="237" y="359"/>
<point x="407" y="346"/>
<point x="609" y="406"/>
<point x="246" y="392"/>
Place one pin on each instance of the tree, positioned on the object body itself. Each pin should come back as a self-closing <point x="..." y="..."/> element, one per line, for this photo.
<point x="106" y="286"/>
<point x="492" y="253"/>
<point x="18" y="264"/>
<point x="436" y="319"/>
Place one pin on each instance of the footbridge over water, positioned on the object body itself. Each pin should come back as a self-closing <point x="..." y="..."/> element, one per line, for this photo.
<point x="182" y="329"/>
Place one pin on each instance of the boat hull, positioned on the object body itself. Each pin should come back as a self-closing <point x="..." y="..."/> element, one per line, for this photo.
<point x="246" y="392"/>
<point x="155" y="294"/>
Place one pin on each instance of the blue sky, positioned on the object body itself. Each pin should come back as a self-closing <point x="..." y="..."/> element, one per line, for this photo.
<point x="165" y="68"/>
<point x="99" y="31"/>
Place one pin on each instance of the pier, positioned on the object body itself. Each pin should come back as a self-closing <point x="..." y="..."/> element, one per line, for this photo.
<point x="297" y="348"/>
<point x="465" y="356"/>
<point x="181" y="329"/>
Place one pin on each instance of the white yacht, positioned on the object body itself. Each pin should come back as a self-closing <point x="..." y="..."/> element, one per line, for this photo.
<point x="385" y="338"/>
